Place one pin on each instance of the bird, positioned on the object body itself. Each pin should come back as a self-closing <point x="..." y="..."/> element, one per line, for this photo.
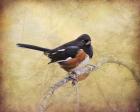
<point x="71" y="56"/>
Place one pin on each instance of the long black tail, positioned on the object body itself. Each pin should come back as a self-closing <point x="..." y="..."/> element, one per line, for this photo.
<point x="33" y="47"/>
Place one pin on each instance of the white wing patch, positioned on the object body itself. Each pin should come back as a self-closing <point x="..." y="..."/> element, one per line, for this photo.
<point x="54" y="52"/>
<point x="65" y="59"/>
<point x="61" y="49"/>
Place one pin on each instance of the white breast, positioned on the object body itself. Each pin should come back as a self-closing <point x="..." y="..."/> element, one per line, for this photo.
<point x="80" y="67"/>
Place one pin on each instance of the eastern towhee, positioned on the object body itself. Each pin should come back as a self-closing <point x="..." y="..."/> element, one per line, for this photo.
<point x="71" y="56"/>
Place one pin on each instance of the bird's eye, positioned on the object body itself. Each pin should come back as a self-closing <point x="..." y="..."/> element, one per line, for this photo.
<point x="83" y="41"/>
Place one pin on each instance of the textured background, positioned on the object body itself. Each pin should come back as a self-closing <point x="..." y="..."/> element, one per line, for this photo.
<point x="114" y="28"/>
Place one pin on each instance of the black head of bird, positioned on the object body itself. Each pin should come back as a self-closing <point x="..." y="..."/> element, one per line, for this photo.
<point x="84" y="40"/>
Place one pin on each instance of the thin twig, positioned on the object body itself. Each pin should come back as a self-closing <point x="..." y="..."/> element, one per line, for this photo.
<point x="77" y="97"/>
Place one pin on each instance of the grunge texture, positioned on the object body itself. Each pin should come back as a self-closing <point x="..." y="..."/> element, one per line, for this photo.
<point x="114" y="26"/>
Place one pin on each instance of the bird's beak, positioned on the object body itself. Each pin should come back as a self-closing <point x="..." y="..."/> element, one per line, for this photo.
<point x="88" y="43"/>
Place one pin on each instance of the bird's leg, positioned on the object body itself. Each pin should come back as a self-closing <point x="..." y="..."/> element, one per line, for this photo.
<point x="73" y="77"/>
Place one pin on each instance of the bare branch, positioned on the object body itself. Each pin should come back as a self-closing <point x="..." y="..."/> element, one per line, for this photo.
<point x="87" y="69"/>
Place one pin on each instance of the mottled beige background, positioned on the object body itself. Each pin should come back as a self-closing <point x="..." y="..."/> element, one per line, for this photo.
<point x="25" y="75"/>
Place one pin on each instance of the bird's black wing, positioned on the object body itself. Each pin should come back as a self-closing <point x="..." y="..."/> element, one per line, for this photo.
<point x="61" y="55"/>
